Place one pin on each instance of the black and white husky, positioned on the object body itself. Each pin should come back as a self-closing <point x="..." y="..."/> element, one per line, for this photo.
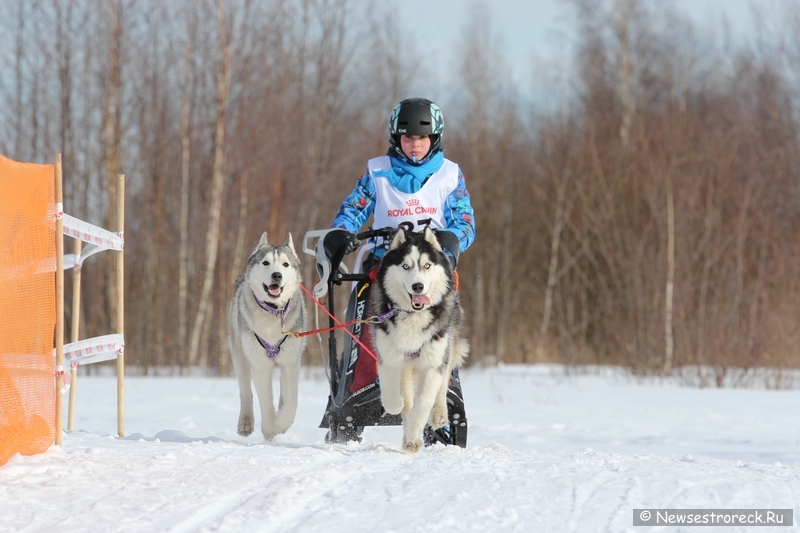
<point x="267" y="304"/>
<point x="423" y="340"/>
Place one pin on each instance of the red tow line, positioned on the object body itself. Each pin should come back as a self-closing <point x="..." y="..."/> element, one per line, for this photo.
<point x="340" y="325"/>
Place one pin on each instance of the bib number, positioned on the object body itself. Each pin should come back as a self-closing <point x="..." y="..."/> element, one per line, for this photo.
<point x="409" y="226"/>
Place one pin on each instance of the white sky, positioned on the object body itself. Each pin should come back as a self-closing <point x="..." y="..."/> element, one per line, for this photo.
<point x="538" y="32"/>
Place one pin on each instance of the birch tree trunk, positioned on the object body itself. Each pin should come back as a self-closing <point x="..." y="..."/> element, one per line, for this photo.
<point x="186" y="152"/>
<point x="506" y="288"/>
<point x="111" y="145"/>
<point x="552" y="273"/>
<point x="215" y="211"/>
<point x="670" y="279"/>
<point x="239" y="256"/>
<point x="625" y="70"/>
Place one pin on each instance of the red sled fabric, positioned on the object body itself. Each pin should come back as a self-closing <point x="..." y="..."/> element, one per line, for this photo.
<point x="365" y="370"/>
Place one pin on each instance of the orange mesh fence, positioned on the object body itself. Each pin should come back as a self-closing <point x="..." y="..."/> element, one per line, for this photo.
<point x="27" y="308"/>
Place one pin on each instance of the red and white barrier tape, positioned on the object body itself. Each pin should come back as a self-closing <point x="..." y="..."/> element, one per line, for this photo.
<point x="94" y="350"/>
<point x="67" y="376"/>
<point x="92" y="234"/>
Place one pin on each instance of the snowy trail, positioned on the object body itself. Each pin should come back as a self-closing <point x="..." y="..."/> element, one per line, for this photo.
<point x="546" y="453"/>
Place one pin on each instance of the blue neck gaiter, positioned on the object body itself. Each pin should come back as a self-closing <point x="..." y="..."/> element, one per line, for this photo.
<point x="408" y="178"/>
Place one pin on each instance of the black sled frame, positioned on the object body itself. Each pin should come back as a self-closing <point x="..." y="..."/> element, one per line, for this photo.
<point x="347" y="414"/>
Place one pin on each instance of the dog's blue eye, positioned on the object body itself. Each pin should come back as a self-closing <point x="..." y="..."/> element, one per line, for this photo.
<point x="406" y="267"/>
<point x="427" y="265"/>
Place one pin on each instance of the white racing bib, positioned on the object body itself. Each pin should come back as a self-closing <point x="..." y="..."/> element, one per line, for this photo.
<point x="416" y="210"/>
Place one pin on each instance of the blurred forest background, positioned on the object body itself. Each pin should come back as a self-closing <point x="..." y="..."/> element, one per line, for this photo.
<point x="650" y="219"/>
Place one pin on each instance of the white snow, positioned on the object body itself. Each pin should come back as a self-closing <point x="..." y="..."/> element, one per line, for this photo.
<point x="547" y="452"/>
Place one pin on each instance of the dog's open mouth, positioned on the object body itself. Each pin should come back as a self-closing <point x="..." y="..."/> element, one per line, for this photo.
<point x="273" y="290"/>
<point x="419" y="301"/>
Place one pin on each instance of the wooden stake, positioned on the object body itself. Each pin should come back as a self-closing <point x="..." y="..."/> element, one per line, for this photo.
<point x="59" y="302"/>
<point x="121" y="307"/>
<point x="76" y="322"/>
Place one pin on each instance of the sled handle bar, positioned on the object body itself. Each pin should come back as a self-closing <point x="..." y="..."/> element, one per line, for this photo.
<point x="370" y="233"/>
<point x="329" y="251"/>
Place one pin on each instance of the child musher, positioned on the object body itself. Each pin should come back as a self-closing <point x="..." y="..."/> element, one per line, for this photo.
<point x="413" y="172"/>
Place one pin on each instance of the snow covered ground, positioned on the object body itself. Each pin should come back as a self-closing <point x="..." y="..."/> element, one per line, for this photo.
<point x="547" y="452"/>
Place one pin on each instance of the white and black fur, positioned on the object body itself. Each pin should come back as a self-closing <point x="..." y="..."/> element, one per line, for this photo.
<point x="258" y="315"/>
<point x="423" y="340"/>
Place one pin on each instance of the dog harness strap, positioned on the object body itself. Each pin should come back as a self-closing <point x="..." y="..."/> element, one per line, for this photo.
<point x="272" y="350"/>
<point x="386" y="316"/>
<point x="275" y="311"/>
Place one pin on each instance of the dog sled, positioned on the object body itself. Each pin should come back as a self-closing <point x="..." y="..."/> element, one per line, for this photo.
<point x="354" y="401"/>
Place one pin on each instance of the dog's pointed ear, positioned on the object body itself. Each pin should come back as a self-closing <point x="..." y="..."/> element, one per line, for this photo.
<point x="289" y="243"/>
<point x="430" y="237"/>
<point x="399" y="239"/>
<point x="262" y="243"/>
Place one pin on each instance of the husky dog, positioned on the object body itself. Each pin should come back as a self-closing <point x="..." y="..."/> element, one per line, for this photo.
<point x="423" y="340"/>
<point x="266" y="305"/>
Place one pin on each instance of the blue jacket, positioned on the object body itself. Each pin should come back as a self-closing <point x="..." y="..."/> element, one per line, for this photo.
<point x="359" y="205"/>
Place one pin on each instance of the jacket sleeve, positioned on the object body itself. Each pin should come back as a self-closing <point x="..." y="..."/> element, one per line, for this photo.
<point x="357" y="207"/>
<point x="459" y="215"/>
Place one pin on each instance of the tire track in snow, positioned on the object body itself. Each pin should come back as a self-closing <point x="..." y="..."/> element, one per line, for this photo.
<point x="627" y="503"/>
<point x="281" y="503"/>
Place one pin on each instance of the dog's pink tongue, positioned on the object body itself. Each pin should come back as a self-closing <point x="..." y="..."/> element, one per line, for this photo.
<point x="420" y="299"/>
<point x="274" y="290"/>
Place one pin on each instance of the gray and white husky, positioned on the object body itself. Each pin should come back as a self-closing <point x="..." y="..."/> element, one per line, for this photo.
<point x="266" y="304"/>
<point x="423" y="340"/>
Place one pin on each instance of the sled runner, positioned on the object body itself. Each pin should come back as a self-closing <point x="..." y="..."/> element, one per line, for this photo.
<point x="354" y="401"/>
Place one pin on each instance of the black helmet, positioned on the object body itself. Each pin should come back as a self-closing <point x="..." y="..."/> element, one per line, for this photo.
<point x="416" y="116"/>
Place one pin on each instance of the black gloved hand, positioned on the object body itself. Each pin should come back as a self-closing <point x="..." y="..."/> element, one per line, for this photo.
<point x="352" y="244"/>
<point x="449" y="243"/>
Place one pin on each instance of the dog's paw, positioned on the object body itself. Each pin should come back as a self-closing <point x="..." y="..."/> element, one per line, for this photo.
<point x="412" y="446"/>
<point x="392" y="403"/>
<point x="284" y="418"/>
<point x="245" y="427"/>
<point x="438" y="417"/>
<point x="282" y="424"/>
<point x="269" y="432"/>
<point x="393" y="406"/>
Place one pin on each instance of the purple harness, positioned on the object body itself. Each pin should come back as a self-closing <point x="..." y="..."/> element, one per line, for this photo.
<point x="273" y="349"/>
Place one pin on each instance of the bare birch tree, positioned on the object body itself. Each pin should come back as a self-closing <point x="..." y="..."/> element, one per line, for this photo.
<point x="111" y="136"/>
<point x="218" y="178"/>
<point x="186" y="159"/>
